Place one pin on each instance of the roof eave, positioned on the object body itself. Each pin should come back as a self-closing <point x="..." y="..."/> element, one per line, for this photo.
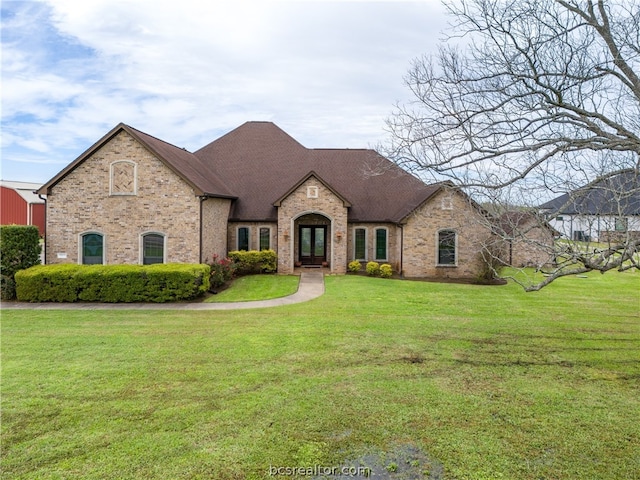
<point x="218" y="195"/>
<point x="46" y="188"/>
<point x="197" y="190"/>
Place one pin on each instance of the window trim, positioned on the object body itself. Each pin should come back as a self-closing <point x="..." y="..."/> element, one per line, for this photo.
<point x="455" y="248"/>
<point x="260" y="237"/>
<point x="238" y="228"/>
<point x="164" y="245"/>
<point x="135" y="179"/>
<point x="621" y="224"/>
<point x="366" y="234"/>
<point x="81" y="247"/>
<point x="386" y="246"/>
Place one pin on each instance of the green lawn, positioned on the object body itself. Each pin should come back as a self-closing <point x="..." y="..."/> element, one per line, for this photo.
<point x="257" y="287"/>
<point x="482" y="382"/>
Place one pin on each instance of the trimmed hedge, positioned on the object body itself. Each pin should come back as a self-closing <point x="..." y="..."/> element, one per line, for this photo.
<point x="112" y="283"/>
<point x="254" y="261"/>
<point x="20" y="247"/>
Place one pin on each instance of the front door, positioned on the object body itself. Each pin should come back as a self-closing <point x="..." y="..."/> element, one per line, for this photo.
<point x="313" y="245"/>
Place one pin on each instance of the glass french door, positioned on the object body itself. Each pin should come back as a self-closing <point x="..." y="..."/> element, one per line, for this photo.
<point x="313" y="244"/>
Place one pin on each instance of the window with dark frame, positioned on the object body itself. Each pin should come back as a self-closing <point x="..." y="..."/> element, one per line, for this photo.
<point x="381" y="243"/>
<point x="265" y="238"/>
<point x="92" y="249"/>
<point x="152" y="249"/>
<point x="360" y="244"/>
<point x="243" y="238"/>
<point x="446" y="247"/>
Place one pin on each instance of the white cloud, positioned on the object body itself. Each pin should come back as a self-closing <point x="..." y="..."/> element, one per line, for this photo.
<point x="326" y="72"/>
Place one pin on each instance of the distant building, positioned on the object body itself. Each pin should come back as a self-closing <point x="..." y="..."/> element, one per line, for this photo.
<point x="20" y="205"/>
<point x="606" y="211"/>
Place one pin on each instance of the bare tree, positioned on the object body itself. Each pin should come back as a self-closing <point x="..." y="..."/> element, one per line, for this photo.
<point x="532" y="99"/>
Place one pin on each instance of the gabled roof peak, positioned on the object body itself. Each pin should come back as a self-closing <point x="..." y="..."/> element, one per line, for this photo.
<point x="154" y="137"/>
<point x="254" y="134"/>
<point x="183" y="163"/>
<point x="312" y="174"/>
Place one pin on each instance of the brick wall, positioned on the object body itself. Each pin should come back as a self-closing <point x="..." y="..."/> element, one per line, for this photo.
<point x="451" y="211"/>
<point x="532" y="247"/>
<point x="393" y="243"/>
<point x="327" y="204"/>
<point x="607" y="236"/>
<point x="254" y="234"/>
<point x="215" y="212"/>
<point x="86" y="200"/>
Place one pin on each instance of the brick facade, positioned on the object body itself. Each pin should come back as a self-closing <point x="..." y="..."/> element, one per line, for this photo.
<point x="393" y="243"/>
<point x="532" y="247"/>
<point x="446" y="210"/>
<point x="121" y="190"/>
<point x="254" y="234"/>
<point x="85" y="200"/>
<point x="215" y="212"/>
<point x="326" y="208"/>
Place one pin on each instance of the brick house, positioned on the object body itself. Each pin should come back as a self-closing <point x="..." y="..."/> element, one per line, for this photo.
<point x="133" y="198"/>
<point x="526" y="239"/>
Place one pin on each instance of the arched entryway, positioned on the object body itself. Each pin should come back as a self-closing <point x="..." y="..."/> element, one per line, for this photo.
<point x="313" y="240"/>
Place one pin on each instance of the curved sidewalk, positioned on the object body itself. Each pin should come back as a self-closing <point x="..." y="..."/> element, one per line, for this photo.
<point x="310" y="286"/>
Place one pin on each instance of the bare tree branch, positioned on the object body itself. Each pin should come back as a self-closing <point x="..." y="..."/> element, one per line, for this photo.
<point x="539" y="97"/>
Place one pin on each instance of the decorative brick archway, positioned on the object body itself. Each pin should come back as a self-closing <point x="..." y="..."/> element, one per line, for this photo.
<point x="312" y="203"/>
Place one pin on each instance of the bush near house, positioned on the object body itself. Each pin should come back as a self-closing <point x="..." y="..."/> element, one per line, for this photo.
<point x="386" y="271"/>
<point x="254" y="261"/>
<point x="373" y="268"/>
<point x="222" y="270"/>
<point x="355" y="266"/>
<point x="112" y="283"/>
<point x="20" y="247"/>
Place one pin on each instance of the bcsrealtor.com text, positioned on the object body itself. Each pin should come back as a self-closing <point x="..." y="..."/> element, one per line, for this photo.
<point x="317" y="470"/>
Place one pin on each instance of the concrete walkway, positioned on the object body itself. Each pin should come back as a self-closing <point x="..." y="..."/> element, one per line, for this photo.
<point x="311" y="286"/>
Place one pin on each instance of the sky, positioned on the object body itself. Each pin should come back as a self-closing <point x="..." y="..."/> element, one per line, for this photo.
<point x="189" y="71"/>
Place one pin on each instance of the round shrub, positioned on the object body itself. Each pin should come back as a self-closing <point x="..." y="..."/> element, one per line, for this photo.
<point x="373" y="268"/>
<point x="354" y="266"/>
<point x="385" y="270"/>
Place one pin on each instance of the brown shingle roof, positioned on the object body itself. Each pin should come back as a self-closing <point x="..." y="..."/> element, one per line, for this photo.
<point x="517" y="222"/>
<point x="260" y="163"/>
<point x="183" y="163"/>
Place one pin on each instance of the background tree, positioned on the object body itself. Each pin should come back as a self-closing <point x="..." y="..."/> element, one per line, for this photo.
<point x="528" y="100"/>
